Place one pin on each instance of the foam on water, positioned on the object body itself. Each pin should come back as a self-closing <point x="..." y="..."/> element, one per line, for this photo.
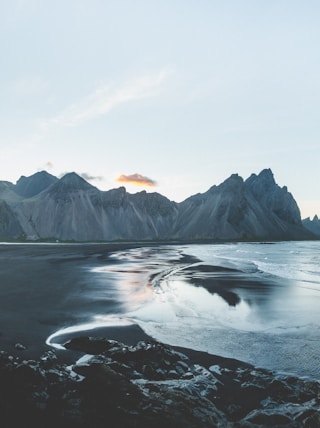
<point x="295" y="352"/>
<point x="279" y="330"/>
<point x="291" y="260"/>
<point x="98" y="321"/>
<point x="274" y="324"/>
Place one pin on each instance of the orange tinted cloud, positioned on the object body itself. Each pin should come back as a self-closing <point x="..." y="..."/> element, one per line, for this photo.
<point x="137" y="180"/>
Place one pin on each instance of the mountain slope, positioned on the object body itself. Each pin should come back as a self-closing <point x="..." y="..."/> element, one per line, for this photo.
<point x="31" y="186"/>
<point x="62" y="211"/>
<point x="214" y="214"/>
<point x="312" y="225"/>
<point x="73" y="209"/>
<point x="255" y="209"/>
<point x="10" y="226"/>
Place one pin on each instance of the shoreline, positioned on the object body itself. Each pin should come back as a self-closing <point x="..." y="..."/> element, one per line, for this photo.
<point x="48" y="287"/>
<point x="130" y="335"/>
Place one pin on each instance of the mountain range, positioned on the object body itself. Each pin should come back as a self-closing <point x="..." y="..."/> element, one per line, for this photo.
<point x="71" y="209"/>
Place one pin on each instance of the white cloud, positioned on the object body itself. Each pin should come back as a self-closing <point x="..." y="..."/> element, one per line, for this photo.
<point x="108" y="96"/>
<point x="90" y="177"/>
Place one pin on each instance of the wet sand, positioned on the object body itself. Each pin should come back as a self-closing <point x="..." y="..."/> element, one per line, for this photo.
<point x="47" y="288"/>
<point x="44" y="288"/>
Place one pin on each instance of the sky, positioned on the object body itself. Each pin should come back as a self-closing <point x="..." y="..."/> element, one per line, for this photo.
<point x="171" y="96"/>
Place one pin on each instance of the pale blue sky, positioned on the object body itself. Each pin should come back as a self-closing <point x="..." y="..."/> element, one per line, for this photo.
<point x="183" y="92"/>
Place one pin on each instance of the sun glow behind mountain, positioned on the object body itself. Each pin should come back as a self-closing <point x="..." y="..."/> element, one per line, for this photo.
<point x="136" y="180"/>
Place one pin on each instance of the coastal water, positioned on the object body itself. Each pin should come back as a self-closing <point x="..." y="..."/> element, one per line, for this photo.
<point x="257" y="302"/>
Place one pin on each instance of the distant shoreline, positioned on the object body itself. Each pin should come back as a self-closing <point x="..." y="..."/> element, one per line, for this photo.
<point x="153" y="242"/>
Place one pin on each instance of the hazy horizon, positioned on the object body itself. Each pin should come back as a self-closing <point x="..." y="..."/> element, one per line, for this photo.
<point x="182" y="94"/>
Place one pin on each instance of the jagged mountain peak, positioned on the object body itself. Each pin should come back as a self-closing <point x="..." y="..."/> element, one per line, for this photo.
<point x="266" y="173"/>
<point x="40" y="175"/>
<point x="119" y="192"/>
<point x="151" y="195"/>
<point x="312" y="225"/>
<point x="73" y="181"/>
<point x="69" y="185"/>
<point x="233" y="181"/>
<point x="264" y="179"/>
<point x="36" y="174"/>
<point x="71" y="176"/>
<point x="262" y="185"/>
<point x="34" y="184"/>
<point x="272" y="197"/>
<point x="121" y="189"/>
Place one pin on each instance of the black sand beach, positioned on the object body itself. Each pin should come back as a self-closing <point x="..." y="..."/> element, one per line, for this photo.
<point x="133" y="381"/>
<point x="44" y="288"/>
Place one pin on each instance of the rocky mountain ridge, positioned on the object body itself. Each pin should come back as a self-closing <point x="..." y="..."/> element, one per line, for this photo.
<point x="312" y="225"/>
<point x="44" y="207"/>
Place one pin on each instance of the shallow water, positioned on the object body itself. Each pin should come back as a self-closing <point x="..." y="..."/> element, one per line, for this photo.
<point x="255" y="302"/>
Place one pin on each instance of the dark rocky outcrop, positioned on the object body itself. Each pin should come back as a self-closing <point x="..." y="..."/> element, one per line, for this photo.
<point x="150" y="385"/>
<point x="45" y="207"/>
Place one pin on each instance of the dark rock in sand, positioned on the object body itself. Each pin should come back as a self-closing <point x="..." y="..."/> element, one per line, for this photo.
<point x="89" y="345"/>
<point x="150" y="385"/>
<point x="20" y="347"/>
